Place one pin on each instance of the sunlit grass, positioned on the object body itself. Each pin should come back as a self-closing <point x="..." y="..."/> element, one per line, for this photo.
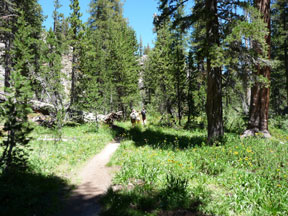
<point x="63" y="158"/>
<point x="40" y="190"/>
<point x="234" y="177"/>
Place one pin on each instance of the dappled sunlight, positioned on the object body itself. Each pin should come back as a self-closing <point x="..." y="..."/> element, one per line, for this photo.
<point x="161" y="138"/>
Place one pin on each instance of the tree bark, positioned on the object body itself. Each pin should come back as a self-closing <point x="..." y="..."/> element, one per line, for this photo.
<point x="260" y="93"/>
<point x="214" y="81"/>
<point x="73" y="77"/>
<point x="7" y="63"/>
<point x="286" y="53"/>
<point x="190" y="96"/>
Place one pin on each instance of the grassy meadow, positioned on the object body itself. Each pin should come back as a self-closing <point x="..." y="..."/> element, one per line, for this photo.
<point x="53" y="166"/>
<point x="166" y="171"/>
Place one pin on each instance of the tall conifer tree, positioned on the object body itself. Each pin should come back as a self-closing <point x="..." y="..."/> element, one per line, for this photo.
<point x="16" y="108"/>
<point x="76" y="31"/>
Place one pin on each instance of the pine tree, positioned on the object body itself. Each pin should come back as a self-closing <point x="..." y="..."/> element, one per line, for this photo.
<point x="179" y="63"/>
<point x="258" y="113"/>
<point x="88" y="97"/>
<point x="147" y="49"/>
<point x="16" y="108"/>
<point x="76" y="31"/>
<point x="53" y="77"/>
<point x="212" y="43"/>
<point x="115" y="48"/>
<point x="279" y="52"/>
<point x="7" y="18"/>
<point x="141" y="47"/>
<point x="32" y="13"/>
<point x="160" y="76"/>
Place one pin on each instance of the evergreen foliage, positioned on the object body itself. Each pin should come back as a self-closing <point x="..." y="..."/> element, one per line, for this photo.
<point x="53" y="78"/>
<point x="75" y="32"/>
<point x="16" y="109"/>
<point x="114" y="63"/>
<point x="279" y="53"/>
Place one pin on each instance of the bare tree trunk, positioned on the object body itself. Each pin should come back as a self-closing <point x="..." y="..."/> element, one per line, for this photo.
<point x="214" y="81"/>
<point x="258" y="114"/>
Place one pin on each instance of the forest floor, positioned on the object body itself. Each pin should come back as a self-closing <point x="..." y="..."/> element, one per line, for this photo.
<point x="95" y="180"/>
<point x="54" y="169"/>
<point x="173" y="172"/>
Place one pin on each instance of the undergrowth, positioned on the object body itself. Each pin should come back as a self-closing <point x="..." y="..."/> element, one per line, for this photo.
<point x="176" y="173"/>
<point x="50" y="177"/>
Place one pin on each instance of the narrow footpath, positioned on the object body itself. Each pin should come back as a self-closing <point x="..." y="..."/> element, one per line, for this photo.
<point x="95" y="180"/>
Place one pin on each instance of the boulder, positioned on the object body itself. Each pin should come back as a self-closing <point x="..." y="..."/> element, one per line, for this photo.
<point x="89" y="117"/>
<point x="41" y="107"/>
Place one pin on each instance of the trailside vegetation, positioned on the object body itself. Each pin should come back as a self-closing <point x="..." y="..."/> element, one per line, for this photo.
<point x="214" y="85"/>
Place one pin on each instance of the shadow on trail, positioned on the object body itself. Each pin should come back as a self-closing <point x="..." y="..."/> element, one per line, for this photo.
<point x="81" y="205"/>
<point x="142" y="201"/>
<point x="28" y="193"/>
<point x="159" y="139"/>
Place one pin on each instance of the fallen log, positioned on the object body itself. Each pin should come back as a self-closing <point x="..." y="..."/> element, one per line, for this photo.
<point x="37" y="106"/>
<point x="41" y="107"/>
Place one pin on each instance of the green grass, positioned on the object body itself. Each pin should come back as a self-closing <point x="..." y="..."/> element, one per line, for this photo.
<point x="166" y="170"/>
<point x="64" y="158"/>
<point x="53" y="165"/>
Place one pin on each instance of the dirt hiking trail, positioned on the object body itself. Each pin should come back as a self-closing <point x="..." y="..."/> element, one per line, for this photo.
<point x="95" y="180"/>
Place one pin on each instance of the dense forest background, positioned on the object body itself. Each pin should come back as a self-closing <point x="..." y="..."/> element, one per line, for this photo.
<point x="220" y="65"/>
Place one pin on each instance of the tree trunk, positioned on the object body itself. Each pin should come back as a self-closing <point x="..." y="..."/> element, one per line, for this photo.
<point x="179" y="98"/>
<point x="214" y="80"/>
<point x="73" y="77"/>
<point x="7" y="63"/>
<point x="286" y="55"/>
<point x="190" y="96"/>
<point x="258" y="113"/>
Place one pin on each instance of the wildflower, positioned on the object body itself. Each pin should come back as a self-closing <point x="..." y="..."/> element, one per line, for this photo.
<point x="236" y="153"/>
<point x="278" y="185"/>
<point x="249" y="150"/>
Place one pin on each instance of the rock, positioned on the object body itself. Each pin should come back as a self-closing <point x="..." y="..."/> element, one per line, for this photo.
<point x="256" y="132"/>
<point x="108" y="119"/>
<point x="89" y="117"/>
<point x="75" y="116"/>
<point x="3" y="97"/>
<point x="40" y="119"/>
<point x="41" y="107"/>
<point x="113" y="116"/>
<point x="2" y="69"/>
<point x="101" y="118"/>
